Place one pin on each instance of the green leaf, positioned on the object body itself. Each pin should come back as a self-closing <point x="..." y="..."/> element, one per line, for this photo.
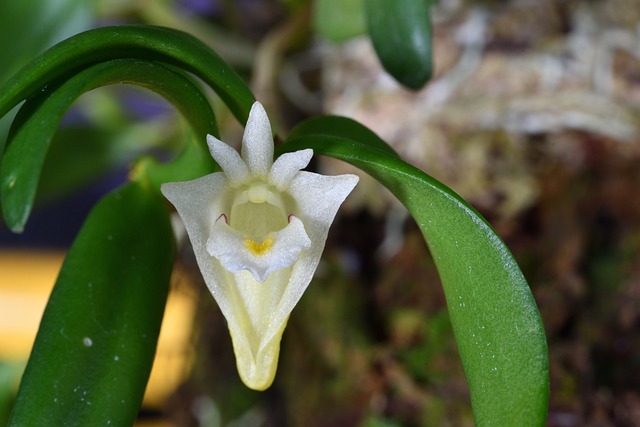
<point x="48" y="22"/>
<point x="401" y="34"/>
<point x="339" y="20"/>
<point x="38" y="119"/>
<point x="97" y="339"/>
<point x="495" y="319"/>
<point x="140" y="42"/>
<point x="192" y="163"/>
<point x="343" y="127"/>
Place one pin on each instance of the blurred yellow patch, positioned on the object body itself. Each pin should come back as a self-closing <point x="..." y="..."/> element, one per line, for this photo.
<point x="26" y="281"/>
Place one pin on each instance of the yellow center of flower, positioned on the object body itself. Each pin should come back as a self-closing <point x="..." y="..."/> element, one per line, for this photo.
<point x="259" y="248"/>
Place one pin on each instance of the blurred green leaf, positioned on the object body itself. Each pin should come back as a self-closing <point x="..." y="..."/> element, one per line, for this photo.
<point x="38" y="119"/>
<point x="339" y="20"/>
<point x="192" y="163"/>
<point x="97" y="339"/>
<point x="401" y="34"/>
<point x="47" y="22"/>
<point x="9" y="375"/>
<point x="136" y="42"/>
<point x="495" y="319"/>
<point x="89" y="160"/>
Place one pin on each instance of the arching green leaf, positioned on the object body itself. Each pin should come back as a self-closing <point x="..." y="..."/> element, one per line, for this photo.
<point x="495" y="319"/>
<point x="136" y="42"/>
<point x="38" y="119"/>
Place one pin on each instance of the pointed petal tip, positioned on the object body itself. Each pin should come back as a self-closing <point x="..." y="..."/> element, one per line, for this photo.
<point x="257" y="109"/>
<point x="257" y="142"/>
<point x="287" y="166"/>
<point x="172" y="189"/>
<point x="348" y="182"/>
<point x="352" y="179"/>
<point x="229" y="160"/>
<point x="258" y="118"/>
<point x="212" y="139"/>
<point x="217" y="148"/>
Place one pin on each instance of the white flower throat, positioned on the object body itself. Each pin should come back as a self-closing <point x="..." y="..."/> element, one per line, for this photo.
<point x="258" y="211"/>
<point x="258" y="235"/>
<point x="258" y="229"/>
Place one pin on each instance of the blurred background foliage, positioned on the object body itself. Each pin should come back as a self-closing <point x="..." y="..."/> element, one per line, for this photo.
<point x="533" y="115"/>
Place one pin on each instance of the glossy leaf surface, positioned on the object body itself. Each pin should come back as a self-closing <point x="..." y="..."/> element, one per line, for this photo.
<point x="38" y="119"/>
<point x="401" y="34"/>
<point x="97" y="339"/>
<point x="495" y="319"/>
<point x="138" y="42"/>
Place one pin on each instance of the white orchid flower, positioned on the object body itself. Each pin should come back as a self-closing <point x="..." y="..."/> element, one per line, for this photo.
<point x="258" y="229"/>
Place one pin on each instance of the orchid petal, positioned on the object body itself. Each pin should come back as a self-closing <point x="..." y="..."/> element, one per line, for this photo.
<point x="229" y="160"/>
<point x="196" y="211"/>
<point x="237" y="252"/>
<point x="287" y="166"/>
<point x="257" y="142"/>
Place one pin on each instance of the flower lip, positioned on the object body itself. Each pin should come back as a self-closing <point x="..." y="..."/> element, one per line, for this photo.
<point x="260" y="255"/>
